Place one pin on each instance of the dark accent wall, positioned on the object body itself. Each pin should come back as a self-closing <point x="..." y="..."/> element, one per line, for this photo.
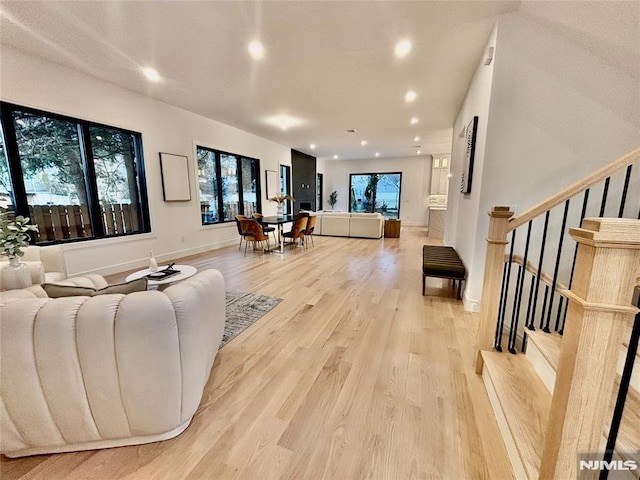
<point x="303" y="177"/>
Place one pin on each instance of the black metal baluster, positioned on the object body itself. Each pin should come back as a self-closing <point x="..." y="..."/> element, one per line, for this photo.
<point x="625" y="382"/>
<point x="544" y="308"/>
<point x="515" y="317"/>
<point x="514" y="314"/>
<point x="503" y="306"/>
<point x="625" y="189"/>
<point x="605" y="192"/>
<point x="556" y="328"/>
<point x="554" y="282"/>
<point x="583" y="213"/>
<point x="497" y="340"/>
<point x="539" y="272"/>
<point x="529" y="320"/>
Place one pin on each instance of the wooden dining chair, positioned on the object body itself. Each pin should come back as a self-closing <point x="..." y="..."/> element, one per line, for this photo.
<point x="239" y="219"/>
<point x="297" y="231"/>
<point x="308" y="231"/>
<point x="252" y="232"/>
<point x="265" y="228"/>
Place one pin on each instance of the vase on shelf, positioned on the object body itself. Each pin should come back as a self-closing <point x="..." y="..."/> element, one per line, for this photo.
<point x="153" y="265"/>
<point x="15" y="275"/>
<point x="280" y="209"/>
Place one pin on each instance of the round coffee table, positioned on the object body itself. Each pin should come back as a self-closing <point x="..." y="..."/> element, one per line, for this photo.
<point x="186" y="271"/>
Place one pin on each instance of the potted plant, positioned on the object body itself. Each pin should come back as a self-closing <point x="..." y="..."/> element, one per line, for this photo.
<point x="14" y="237"/>
<point x="333" y="199"/>
<point x="280" y="199"/>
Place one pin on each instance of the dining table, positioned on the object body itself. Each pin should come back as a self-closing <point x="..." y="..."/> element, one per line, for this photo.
<point x="279" y="221"/>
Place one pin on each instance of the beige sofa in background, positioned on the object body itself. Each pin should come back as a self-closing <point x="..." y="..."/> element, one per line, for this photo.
<point x="46" y="264"/>
<point x="81" y="373"/>
<point x="342" y="224"/>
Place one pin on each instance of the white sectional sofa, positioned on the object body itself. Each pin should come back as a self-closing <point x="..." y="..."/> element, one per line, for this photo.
<point x="87" y="372"/>
<point x="342" y="224"/>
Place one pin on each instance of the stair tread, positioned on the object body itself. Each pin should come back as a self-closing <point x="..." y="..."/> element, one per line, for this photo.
<point x="548" y="344"/>
<point x="525" y="403"/>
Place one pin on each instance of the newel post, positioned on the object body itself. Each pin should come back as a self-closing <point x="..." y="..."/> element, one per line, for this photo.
<point x="492" y="282"/>
<point x="607" y="265"/>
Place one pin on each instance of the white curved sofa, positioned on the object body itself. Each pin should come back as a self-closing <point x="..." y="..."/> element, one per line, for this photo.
<point x="341" y="224"/>
<point x="80" y="373"/>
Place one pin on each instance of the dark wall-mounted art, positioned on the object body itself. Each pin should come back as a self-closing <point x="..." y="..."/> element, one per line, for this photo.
<point x="175" y="177"/>
<point x="470" y="133"/>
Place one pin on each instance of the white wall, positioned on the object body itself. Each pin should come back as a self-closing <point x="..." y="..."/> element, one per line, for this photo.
<point x="416" y="181"/>
<point x="463" y="209"/>
<point x="556" y="113"/>
<point x="33" y="82"/>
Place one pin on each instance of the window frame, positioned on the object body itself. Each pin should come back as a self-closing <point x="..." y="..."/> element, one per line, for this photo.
<point x="351" y="175"/>
<point x="218" y="168"/>
<point x="19" y="193"/>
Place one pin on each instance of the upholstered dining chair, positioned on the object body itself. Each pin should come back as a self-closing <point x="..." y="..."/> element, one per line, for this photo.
<point x="297" y="231"/>
<point x="308" y="231"/>
<point x="239" y="219"/>
<point x="265" y="228"/>
<point x="253" y="233"/>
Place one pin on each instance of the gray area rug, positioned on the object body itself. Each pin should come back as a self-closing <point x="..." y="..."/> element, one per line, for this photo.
<point x="242" y="310"/>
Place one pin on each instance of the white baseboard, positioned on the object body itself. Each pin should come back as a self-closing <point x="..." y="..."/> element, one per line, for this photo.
<point x="166" y="257"/>
<point x="470" y="304"/>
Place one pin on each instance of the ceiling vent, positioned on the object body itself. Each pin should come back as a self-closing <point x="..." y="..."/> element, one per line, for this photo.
<point x="352" y="130"/>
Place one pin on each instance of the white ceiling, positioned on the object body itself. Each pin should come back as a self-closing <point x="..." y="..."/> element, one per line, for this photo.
<point x="329" y="64"/>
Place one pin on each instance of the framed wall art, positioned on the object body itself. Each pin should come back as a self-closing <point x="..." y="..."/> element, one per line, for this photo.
<point x="174" y="170"/>
<point x="470" y="133"/>
<point x="272" y="183"/>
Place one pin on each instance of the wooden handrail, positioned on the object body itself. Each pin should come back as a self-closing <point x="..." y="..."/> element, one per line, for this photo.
<point x="574" y="189"/>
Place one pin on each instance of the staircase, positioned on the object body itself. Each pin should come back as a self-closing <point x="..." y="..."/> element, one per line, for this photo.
<point x="559" y="391"/>
<point x="520" y="389"/>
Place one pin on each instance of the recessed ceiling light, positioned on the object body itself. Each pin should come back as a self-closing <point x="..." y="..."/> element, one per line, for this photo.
<point x="403" y="47"/>
<point x="416" y="139"/>
<point x="312" y="146"/>
<point x="335" y="157"/>
<point x="363" y="143"/>
<point x="410" y="96"/>
<point x="256" y="50"/>
<point x="418" y="152"/>
<point x="414" y="120"/>
<point x="151" y="74"/>
<point x="377" y="154"/>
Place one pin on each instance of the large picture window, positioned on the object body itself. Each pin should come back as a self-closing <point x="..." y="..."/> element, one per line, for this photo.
<point x="229" y="185"/>
<point x="375" y="192"/>
<point x="75" y="179"/>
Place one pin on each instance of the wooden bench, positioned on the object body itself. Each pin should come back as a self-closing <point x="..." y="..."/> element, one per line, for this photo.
<point x="442" y="262"/>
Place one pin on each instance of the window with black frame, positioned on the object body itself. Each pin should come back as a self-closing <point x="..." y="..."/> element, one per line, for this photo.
<point x="375" y="192"/>
<point x="75" y="179"/>
<point x="229" y="185"/>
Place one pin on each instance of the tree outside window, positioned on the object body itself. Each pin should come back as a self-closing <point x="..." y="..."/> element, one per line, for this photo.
<point x="73" y="178"/>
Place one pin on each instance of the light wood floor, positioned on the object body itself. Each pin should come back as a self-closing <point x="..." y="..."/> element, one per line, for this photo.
<point x="355" y="375"/>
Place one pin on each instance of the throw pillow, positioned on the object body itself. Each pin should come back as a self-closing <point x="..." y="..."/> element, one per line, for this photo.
<point x="56" y="291"/>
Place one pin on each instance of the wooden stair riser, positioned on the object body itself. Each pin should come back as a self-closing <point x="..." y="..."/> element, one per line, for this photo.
<point x="521" y="405"/>
<point x="546" y="368"/>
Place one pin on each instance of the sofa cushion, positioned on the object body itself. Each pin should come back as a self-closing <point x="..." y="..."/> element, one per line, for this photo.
<point x="57" y="290"/>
